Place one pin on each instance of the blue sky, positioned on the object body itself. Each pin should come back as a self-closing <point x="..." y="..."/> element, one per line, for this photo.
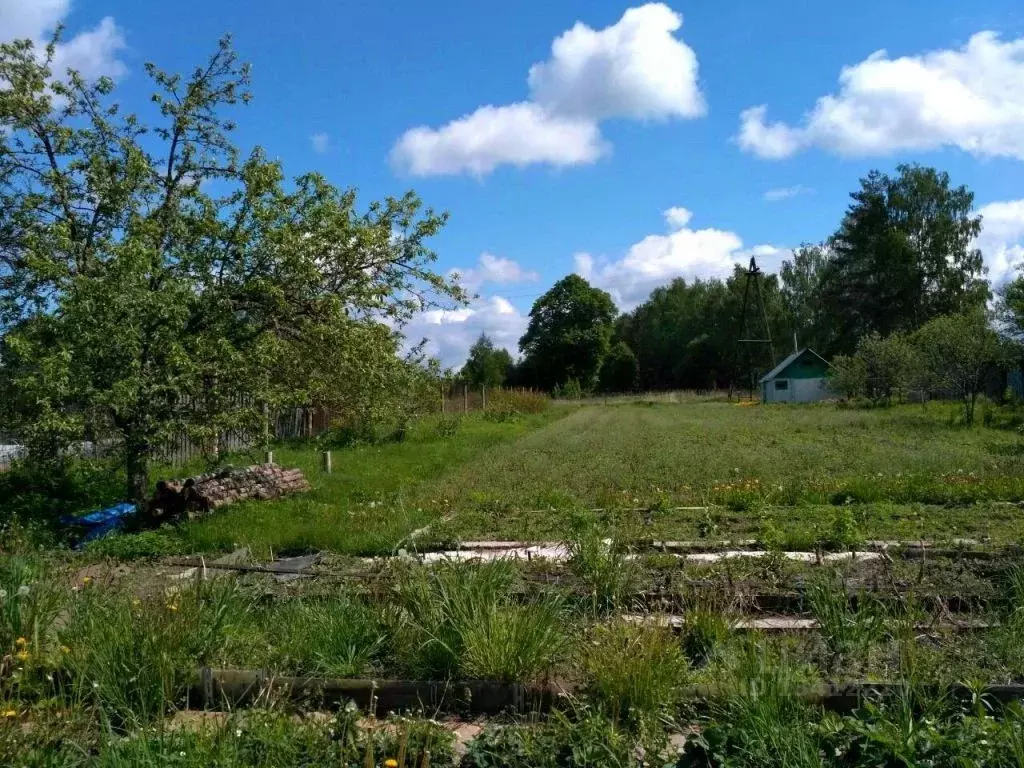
<point x="623" y="140"/>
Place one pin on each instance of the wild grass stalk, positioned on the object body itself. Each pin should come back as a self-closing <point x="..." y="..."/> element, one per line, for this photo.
<point x="607" y="576"/>
<point x="336" y="637"/>
<point x="847" y="632"/>
<point x="29" y="605"/>
<point x="133" y="659"/>
<point x="515" y="643"/>
<point x="761" y="719"/>
<point x="457" y="619"/>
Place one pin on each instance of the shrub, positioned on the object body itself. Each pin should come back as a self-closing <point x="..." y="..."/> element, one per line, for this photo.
<point x="842" y="532"/>
<point x="636" y="670"/>
<point x="36" y="493"/>
<point x="520" y="401"/>
<point x="932" y="730"/>
<point x="447" y="426"/>
<point x="570" y="390"/>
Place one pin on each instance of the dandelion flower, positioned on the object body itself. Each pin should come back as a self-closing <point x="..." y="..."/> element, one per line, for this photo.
<point x="11" y="713"/>
<point x="22" y="655"/>
<point x="21" y="642"/>
<point x="65" y="649"/>
<point x="172" y="607"/>
<point x="87" y="580"/>
<point x="391" y="763"/>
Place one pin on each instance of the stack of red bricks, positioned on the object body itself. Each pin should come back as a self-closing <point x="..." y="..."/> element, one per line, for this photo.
<point x="260" y="481"/>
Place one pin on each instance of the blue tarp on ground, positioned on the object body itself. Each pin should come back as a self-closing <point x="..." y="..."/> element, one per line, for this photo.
<point x="102" y="521"/>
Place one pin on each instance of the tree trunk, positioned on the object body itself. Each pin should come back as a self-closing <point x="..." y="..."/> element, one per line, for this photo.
<point x="137" y="464"/>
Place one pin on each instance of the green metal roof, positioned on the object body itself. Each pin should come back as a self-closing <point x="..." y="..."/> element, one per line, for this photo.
<point x="812" y="361"/>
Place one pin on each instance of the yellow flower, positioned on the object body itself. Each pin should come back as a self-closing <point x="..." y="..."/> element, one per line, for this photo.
<point x="172" y="607"/>
<point x="10" y="713"/>
<point x="22" y="655"/>
<point x="21" y="642"/>
<point x="136" y="602"/>
<point x="87" y="580"/>
<point x="65" y="649"/>
<point x="391" y="763"/>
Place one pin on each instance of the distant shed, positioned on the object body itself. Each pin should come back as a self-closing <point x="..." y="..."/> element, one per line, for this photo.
<point x="800" y="378"/>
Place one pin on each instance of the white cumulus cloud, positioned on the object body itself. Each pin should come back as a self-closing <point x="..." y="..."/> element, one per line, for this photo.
<point x="636" y="69"/>
<point x="450" y="333"/>
<point x="92" y="52"/>
<point x="496" y="270"/>
<point x="785" y="193"/>
<point x="1002" y="239"/>
<point x="677" y="217"/>
<point x="514" y="134"/>
<point x="971" y="97"/>
<point x="658" y="259"/>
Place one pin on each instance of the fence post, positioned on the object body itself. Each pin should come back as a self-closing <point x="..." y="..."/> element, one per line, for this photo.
<point x="465" y="398"/>
<point x="442" y="398"/>
<point x="327" y="462"/>
<point x="483" y="394"/>
<point x="270" y="457"/>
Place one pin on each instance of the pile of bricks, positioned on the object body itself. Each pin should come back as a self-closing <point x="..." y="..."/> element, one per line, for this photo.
<point x="261" y="481"/>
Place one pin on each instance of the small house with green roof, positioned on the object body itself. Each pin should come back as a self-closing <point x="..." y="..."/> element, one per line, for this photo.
<point x="800" y="378"/>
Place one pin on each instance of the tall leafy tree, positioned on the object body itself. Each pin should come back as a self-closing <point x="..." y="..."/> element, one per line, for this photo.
<point x="620" y="371"/>
<point x="902" y="255"/>
<point x="569" y="333"/>
<point x="487" y="365"/>
<point x="1010" y="308"/>
<point x="957" y="353"/>
<point x="154" y="281"/>
<point x="685" y="334"/>
<point x="801" y="279"/>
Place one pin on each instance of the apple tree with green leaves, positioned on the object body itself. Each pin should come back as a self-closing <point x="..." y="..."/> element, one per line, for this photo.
<point x="156" y="280"/>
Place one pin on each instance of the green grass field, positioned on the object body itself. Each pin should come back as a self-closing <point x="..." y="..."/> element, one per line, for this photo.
<point x="100" y="663"/>
<point x="801" y="475"/>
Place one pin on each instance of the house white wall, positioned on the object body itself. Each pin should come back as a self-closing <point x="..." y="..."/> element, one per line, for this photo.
<point x="797" y="391"/>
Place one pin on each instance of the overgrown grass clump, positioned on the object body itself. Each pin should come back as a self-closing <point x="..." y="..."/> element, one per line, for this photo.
<point x="461" y="620"/>
<point x="135" y="659"/>
<point x="258" y="738"/>
<point x="635" y="671"/>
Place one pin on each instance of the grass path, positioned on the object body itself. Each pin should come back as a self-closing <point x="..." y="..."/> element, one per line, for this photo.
<point x="901" y="473"/>
<point x="797" y="475"/>
<point x="374" y="498"/>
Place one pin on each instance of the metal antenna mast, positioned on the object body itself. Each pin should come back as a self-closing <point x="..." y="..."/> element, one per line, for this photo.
<point x="746" y="340"/>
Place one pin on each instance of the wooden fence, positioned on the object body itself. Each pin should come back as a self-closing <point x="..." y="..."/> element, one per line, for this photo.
<point x="290" y="424"/>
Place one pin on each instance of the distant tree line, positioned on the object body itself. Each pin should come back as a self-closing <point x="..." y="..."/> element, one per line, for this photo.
<point x="900" y="277"/>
